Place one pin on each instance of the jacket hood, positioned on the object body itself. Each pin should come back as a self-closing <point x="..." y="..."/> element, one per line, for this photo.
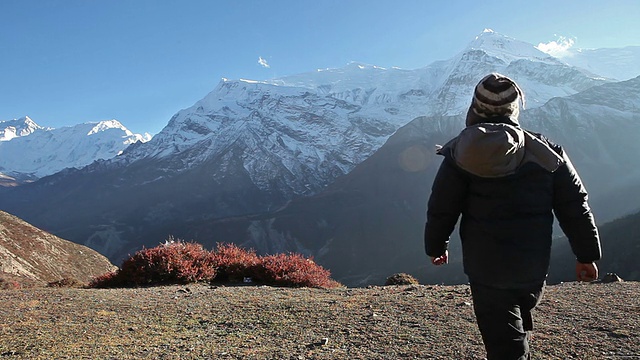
<point x="494" y="150"/>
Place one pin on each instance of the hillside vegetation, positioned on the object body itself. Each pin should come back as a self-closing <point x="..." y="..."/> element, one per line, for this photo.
<point x="177" y="262"/>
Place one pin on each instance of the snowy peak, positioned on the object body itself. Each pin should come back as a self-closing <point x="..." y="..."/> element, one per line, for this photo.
<point x="17" y="127"/>
<point x="106" y="125"/>
<point x="541" y="76"/>
<point x="111" y="129"/>
<point x="43" y="151"/>
<point x="506" y="48"/>
<point x="116" y="128"/>
<point x="322" y="123"/>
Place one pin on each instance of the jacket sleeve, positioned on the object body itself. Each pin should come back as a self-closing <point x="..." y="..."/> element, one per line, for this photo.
<point x="570" y="205"/>
<point x="444" y="207"/>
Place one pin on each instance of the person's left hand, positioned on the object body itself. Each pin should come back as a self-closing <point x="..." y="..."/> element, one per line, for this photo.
<point x="442" y="259"/>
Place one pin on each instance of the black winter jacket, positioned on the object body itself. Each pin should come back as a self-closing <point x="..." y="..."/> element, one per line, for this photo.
<point x="507" y="184"/>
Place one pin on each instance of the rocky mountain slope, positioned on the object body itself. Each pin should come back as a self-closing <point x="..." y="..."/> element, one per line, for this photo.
<point x="29" y="151"/>
<point x="29" y="255"/>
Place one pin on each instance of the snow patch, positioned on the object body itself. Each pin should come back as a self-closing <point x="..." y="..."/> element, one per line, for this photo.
<point x="40" y="151"/>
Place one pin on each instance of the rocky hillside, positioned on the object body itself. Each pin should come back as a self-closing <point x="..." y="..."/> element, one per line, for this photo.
<point x="30" y="256"/>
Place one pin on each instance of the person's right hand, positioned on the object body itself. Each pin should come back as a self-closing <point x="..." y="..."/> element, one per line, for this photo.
<point x="442" y="259"/>
<point x="586" y="272"/>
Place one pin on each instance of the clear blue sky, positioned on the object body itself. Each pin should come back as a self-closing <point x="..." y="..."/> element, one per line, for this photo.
<point x="65" y="62"/>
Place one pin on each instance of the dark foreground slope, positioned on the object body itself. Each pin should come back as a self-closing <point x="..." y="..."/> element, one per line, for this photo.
<point x="574" y="321"/>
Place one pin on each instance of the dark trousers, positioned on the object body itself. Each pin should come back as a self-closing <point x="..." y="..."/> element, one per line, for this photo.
<point x="504" y="319"/>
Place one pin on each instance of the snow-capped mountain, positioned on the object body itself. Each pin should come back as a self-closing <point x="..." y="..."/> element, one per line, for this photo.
<point x="541" y="76"/>
<point x="369" y="223"/>
<point x="251" y="147"/>
<point x="18" y="127"/>
<point x="298" y="133"/>
<point x="31" y="151"/>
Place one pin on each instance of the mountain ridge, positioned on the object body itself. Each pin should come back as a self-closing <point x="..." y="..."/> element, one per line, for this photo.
<point x="221" y="168"/>
<point x="17" y="127"/>
<point x="31" y="151"/>
<point x="369" y="223"/>
<point x="300" y="120"/>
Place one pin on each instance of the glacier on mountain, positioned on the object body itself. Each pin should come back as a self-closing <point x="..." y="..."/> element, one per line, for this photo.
<point x="39" y="151"/>
<point x="300" y="132"/>
<point x="18" y="127"/>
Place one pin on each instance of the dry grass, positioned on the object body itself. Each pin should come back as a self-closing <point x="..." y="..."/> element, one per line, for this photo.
<point x="574" y="321"/>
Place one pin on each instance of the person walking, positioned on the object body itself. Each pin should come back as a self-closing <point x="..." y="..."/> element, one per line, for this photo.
<point x="507" y="183"/>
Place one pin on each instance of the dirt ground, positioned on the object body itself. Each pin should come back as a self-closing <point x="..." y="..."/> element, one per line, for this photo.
<point x="574" y="321"/>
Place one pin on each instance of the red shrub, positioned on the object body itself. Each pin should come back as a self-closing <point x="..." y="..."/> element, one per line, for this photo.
<point x="293" y="270"/>
<point x="234" y="263"/>
<point x="179" y="263"/>
<point x="170" y="263"/>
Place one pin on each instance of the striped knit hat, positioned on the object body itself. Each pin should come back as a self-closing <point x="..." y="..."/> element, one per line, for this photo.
<point x="495" y="95"/>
